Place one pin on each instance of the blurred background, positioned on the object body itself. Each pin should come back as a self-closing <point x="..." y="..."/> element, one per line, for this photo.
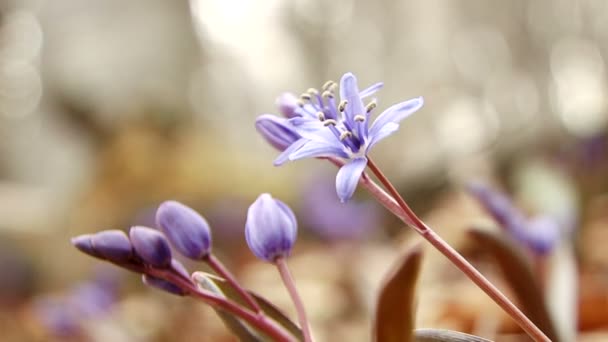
<point x="107" y="108"/>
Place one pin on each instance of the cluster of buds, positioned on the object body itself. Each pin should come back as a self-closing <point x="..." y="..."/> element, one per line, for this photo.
<point x="270" y="231"/>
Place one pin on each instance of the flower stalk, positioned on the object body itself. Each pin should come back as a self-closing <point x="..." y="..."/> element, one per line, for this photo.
<point x="281" y="264"/>
<point x="407" y="215"/>
<point x="221" y="270"/>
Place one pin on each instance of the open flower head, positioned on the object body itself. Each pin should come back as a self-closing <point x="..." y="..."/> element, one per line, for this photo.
<point x="341" y="128"/>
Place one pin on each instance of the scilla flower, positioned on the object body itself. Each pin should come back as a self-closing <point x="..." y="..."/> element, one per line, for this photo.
<point x="328" y="128"/>
<point x="271" y="228"/>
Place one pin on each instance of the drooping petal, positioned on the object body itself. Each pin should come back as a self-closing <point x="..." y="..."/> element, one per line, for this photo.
<point x="370" y="90"/>
<point x="284" y="156"/>
<point x="382" y="133"/>
<point x="277" y="131"/>
<point x="349" y="91"/>
<point x="348" y="177"/>
<point x="396" y="113"/>
<point x="319" y="149"/>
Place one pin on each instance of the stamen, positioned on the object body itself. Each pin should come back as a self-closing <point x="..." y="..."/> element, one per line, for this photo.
<point x="359" y="118"/>
<point x="370" y="106"/>
<point x="329" y="122"/>
<point x="342" y="105"/>
<point x="312" y="91"/>
<point x="305" y="97"/>
<point x="333" y="87"/>
<point x="327" y="85"/>
<point x="328" y="94"/>
<point x="321" y="116"/>
<point x="300" y="103"/>
<point x="345" y="134"/>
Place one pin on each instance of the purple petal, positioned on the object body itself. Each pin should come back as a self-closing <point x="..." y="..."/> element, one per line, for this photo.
<point x="277" y="131"/>
<point x="543" y="233"/>
<point x="348" y="177"/>
<point x="396" y="113"/>
<point x="151" y="246"/>
<point x="349" y="91"/>
<point x="370" y="90"/>
<point x="284" y="156"/>
<point x="384" y="132"/>
<point x="319" y="149"/>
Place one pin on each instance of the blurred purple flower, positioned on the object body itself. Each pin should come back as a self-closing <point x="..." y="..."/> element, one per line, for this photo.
<point x="540" y="234"/>
<point x="341" y="130"/>
<point x="271" y="228"/>
<point x="334" y="221"/>
<point x="64" y="315"/>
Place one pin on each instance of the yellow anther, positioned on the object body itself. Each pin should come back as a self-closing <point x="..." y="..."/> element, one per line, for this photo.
<point x="327" y="85"/>
<point x="370" y="106"/>
<point x="342" y="105"/>
<point x="345" y="134"/>
<point x="321" y="116"/>
<point x="312" y="91"/>
<point x="359" y="118"/>
<point x="327" y="94"/>
<point x="305" y="97"/>
<point x="300" y="103"/>
<point x="329" y="122"/>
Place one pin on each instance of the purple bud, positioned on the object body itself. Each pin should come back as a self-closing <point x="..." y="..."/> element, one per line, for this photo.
<point x="151" y="246"/>
<point x="287" y="104"/>
<point x="277" y="131"/>
<point x="188" y="231"/>
<point x="113" y="245"/>
<point x="542" y="234"/>
<point x="271" y="228"/>
<point x="162" y="284"/>
<point x="85" y="245"/>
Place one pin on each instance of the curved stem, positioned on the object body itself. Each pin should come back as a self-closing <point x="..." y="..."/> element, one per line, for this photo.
<point x="261" y="322"/>
<point x="221" y="270"/>
<point x="409" y="217"/>
<point x="295" y="297"/>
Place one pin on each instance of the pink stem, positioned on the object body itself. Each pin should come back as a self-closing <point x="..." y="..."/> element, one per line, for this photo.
<point x="221" y="270"/>
<point x="407" y="215"/>
<point x="295" y="297"/>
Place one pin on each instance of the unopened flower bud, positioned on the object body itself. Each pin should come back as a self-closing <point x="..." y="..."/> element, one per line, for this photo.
<point x="151" y="246"/>
<point x="287" y="104"/>
<point x="271" y="228"/>
<point x="84" y="244"/>
<point x="187" y="231"/>
<point x="277" y="131"/>
<point x="162" y="285"/>
<point x="112" y="245"/>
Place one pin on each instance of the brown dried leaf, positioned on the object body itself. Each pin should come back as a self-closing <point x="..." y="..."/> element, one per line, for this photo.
<point x="519" y="276"/>
<point x="395" y="313"/>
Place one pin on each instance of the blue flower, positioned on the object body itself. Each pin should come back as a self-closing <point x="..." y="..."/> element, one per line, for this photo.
<point x="271" y="228"/>
<point x="328" y="128"/>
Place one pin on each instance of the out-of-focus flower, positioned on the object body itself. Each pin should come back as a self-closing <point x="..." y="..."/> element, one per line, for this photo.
<point x="540" y="234"/>
<point x="341" y="130"/>
<point x="334" y="221"/>
<point x="271" y="228"/>
<point x="186" y="229"/>
<point x="65" y="315"/>
<point x="151" y="245"/>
